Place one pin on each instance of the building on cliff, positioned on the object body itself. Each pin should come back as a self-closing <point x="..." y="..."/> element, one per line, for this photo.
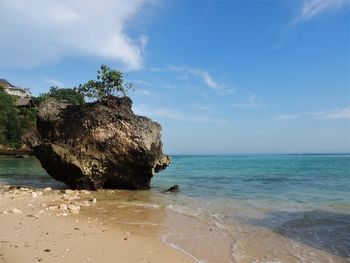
<point x="14" y="90"/>
<point x="25" y="103"/>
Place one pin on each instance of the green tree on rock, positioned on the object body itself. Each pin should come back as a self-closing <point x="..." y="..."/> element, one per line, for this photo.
<point x="110" y="82"/>
<point x="62" y="94"/>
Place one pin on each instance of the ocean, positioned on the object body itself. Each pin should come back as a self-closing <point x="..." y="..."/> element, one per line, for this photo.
<point x="270" y="208"/>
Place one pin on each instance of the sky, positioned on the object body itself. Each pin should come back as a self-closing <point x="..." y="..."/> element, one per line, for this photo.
<point x="221" y="77"/>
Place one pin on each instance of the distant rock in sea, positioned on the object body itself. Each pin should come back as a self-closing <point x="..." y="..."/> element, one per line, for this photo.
<point x="99" y="145"/>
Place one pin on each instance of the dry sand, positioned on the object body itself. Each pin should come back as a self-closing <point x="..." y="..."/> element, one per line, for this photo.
<point x="48" y="226"/>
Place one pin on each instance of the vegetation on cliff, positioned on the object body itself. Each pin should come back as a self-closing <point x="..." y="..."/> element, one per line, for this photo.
<point x="13" y="121"/>
<point x="62" y="94"/>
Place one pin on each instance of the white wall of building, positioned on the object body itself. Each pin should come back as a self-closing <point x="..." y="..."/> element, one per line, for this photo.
<point x="22" y="93"/>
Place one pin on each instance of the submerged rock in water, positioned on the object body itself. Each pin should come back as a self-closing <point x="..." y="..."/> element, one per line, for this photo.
<point x="99" y="145"/>
<point x="173" y="189"/>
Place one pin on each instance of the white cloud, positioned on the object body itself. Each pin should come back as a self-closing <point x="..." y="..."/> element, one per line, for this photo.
<point x="312" y="8"/>
<point x="37" y="32"/>
<point x="205" y="77"/>
<point x="335" y="114"/>
<point x="252" y="102"/>
<point x="284" y="117"/>
<point x="174" y="114"/>
<point x="54" y="82"/>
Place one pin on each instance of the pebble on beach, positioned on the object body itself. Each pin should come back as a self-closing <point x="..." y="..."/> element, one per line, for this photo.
<point x="63" y="207"/>
<point x="66" y="204"/>
<point x="12" y="211"/>
<point x="74" y="209"/>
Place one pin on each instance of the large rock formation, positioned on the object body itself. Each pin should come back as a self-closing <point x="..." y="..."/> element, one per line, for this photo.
<point x="99" y="145"/>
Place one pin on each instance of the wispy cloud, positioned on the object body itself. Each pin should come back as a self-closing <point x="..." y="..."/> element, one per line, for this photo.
<point x="201" y="74"/>
<point x="252" y="102"/>
<point x="284" y="117"/>
<point x="313" y="8"/>
<point x="207" y="78"/>
<point x="174" y="114"/>
<point x="54" y="82"/>
<point x="343" y="113"/>
<point x="40" y="32"/>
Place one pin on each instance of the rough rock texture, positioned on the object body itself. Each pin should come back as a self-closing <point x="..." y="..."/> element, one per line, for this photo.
<point x="98" y="146"/>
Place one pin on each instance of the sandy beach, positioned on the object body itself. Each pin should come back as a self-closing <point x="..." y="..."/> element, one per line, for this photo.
<point x="54" y="226"/>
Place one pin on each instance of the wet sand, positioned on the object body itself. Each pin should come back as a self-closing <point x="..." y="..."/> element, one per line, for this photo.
<point x="44" y="225"/>
<point x="34" y="229"/>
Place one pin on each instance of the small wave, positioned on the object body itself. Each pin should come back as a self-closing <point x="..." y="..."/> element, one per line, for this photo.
<point x="223" y="226"/>
<point x="198" y="213"/>
<point x="164" y="239"/>
<point x="143" y="223"/>
<point x="154" y="206"/>
<point x="270" y="180"/>
<point x="185" y="211"/>
<point x="267" y="261"/>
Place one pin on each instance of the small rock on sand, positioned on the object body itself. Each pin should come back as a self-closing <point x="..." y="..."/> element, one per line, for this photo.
<point x="47" y="189"/>
<point x="54" y="207"/>
<point x="12" y="211"/>
<point x="16" y="211"/>
<point x="63" y="207"/>
<point x="69" y="197"/>
<point x="75" y="209"/>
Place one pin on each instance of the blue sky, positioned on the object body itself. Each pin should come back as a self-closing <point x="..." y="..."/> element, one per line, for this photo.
<point x="220" y="76"/>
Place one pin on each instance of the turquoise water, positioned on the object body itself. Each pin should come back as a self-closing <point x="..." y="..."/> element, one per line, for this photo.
<point x="315" y="179"/>
<point x="25" y="172"/>
<point x="277" y="208"/>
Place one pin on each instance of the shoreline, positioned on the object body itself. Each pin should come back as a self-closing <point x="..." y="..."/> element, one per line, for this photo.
<point x="44" y="225"/>
<point x="14" y="153"/>
<point x="34" y="229"/>
<point x="199" y="226"/>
